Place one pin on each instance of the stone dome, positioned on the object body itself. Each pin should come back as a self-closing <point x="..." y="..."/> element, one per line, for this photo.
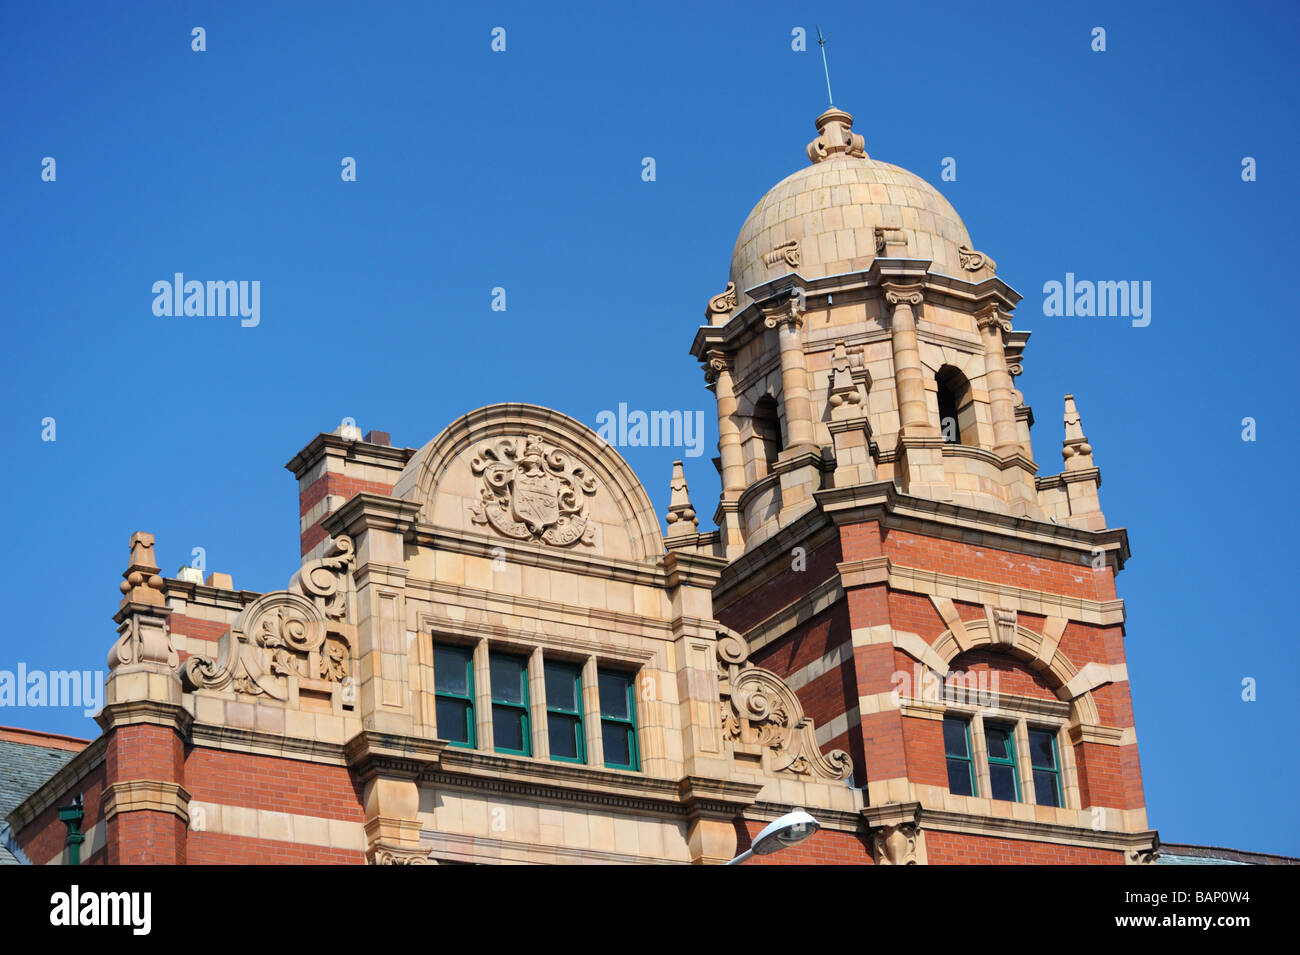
<point x="823" y="219"/>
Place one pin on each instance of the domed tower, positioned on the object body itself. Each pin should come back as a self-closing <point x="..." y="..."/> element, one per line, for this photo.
<point x="888" y="534"/>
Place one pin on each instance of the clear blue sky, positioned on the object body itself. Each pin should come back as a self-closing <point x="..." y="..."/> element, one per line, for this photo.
<point x="523" y="170"/>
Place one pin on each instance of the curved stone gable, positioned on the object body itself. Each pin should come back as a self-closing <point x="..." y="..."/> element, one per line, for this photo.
<point x="525" y="474"/>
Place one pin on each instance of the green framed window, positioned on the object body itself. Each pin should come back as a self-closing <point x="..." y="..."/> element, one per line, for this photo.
<point x="618" y="719"/>
<point x="510" y="729"/>
<point x="453" y="685"/>
<point x="1044" y="761"/>
<point x="1004" y="781"/>
<point x="564" y="711"/>
<point x="957" y="751"/>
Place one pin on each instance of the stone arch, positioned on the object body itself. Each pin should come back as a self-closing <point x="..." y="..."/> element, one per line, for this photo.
<point x="620" y="496"/>
<point x="1030" y="648"/>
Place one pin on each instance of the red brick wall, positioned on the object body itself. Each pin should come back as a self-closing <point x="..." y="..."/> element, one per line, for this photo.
<point x="952" y="848"/>
<point x="1000" y="566"/>
<point x="783" y="587"/>
<point x="267" y="782"/>
<point x="339" y="485"/>
<point x="146" y="837"/>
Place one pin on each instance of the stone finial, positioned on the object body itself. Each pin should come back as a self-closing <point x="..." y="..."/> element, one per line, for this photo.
<point x="681" y="516"/>
<point x="142" y="636"/>
<point x="1076" y="450"/>
<point x="140" y="581"/>
<point x="835" y="136"/>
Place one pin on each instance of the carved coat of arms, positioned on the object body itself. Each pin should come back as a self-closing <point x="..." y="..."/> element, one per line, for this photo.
<point x="532" y="492"/>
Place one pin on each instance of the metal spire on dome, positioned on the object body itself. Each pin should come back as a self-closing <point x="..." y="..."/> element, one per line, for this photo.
<point x="821" y="42"/>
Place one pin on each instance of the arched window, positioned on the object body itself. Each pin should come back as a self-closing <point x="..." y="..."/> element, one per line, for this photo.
<point x="956" y="407"/>
<point x="767" y="425"/>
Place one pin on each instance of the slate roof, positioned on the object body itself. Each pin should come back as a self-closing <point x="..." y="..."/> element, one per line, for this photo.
<point x="27" y="759"/>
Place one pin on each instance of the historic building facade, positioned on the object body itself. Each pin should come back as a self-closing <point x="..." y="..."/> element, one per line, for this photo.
<point x="492" y="653"/>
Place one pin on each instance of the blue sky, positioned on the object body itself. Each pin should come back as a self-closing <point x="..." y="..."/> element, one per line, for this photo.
<point x="522" y="170"/>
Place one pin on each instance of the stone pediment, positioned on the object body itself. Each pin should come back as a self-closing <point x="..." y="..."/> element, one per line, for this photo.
<point x="523" y="474"/>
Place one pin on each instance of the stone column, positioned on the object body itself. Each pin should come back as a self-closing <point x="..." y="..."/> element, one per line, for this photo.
<point x="909" y="380"/>
<point x="717" y="373"/>
<point x="992" y="323"/>
<point x="795" y="396"/>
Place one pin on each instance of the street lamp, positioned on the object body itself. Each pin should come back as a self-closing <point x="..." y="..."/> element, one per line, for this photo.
<point x="790" y="829"/>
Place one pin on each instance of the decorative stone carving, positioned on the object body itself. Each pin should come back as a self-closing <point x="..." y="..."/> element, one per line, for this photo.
<point x="895" y="844"/>
<point x="323" y="580"/>
<point x="532" y="492"/>
<point x="759" y="711"/>
<point x="1002" y="625"/>
<point x="843" y="389"/>
<point x="836" y="137"/>
<point x="724" y="303"/>
<point x="891" y="242"/>
<point x="717" y="362"/>
<point x="787" y="252"/>
<point x="286" y="638"/>
<point x="789" y="313"/>
<point x="904" y="295"/>
<point x="1146" y="855"/>
<point x="142" y="628"/>
<point x="992" y="317"/>
<point x="973" y="261"/>
<point x="387" y="855"/>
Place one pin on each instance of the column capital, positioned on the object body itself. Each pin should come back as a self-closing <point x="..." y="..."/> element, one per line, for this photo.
<point x="904" y="293"/>
<point x="788" y="313"/>
<point x="717" y="361"/>
<point x="992" y="317"/>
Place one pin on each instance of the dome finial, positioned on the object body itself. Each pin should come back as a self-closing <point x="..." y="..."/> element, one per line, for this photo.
<point x="836" y="137"/>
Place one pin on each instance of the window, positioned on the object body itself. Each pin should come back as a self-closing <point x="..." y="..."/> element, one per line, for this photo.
<point x="961" y="768"/>
<point x="510" y="704"/>
<point x="618" y="720"/>
<point x="767" y="425"/>
<point x="1003" y="778"/>
<point x="564" y="711"/>
<point x="956" y="407"/>
<point x="453" y="684"/>
<point x="1046" y="768"/>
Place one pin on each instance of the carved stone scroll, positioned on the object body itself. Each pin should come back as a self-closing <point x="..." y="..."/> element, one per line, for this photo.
<point x="759" y="711"/>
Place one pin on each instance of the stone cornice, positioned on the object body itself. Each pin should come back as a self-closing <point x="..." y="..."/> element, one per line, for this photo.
<point x="371" y="753"/>
<point x="140" y="795"/>
<point x="234" y="739"/>
<point x="361" y="452"/>
<point x="940" y="289"/>
<point x="481" y="772"/>
<point x="1022" y="829"/>
<point x="205" y="596"/>
<point x="58" y="785"/>
<point x="541" y="555"/>
<point x="153" y="712"/>
<point x="683" y="568"/>
<point x="878" y="570"/>
<point x="367" y="511"/>
<point x="430" y="621"/>
<point x="882" y="501"/>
